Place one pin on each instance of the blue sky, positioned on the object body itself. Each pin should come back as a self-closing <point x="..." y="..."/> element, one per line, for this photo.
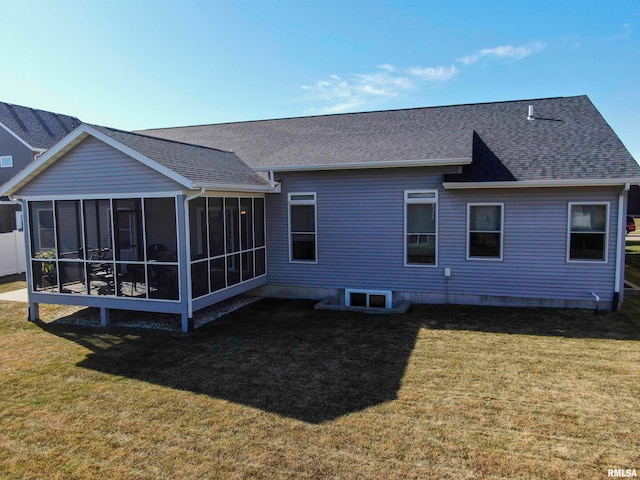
<point x="135" y="64"/>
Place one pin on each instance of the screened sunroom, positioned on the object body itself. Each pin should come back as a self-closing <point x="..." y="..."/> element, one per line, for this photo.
<point x="128" y="247"/>
<point x="109" y="227"/>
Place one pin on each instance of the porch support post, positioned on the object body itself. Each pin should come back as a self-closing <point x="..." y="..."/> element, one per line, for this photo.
<point x="104" y="316"/>
<point x="183" y="259"/>
<point x="34" y="310"/>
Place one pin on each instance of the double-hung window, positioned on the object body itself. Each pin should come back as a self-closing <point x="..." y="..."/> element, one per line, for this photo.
<point x="587" y="237"/>
<point x="303" y="241"/>
<point x="421" y="227"/>
<point x="484" y="231"/>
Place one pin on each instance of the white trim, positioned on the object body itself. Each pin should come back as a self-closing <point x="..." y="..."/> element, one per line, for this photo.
<point x="436" y="162"/>
<point x="20" y="139"/>
<point x="620" y="242"/>
<point x="313" y="202"/>
<point x="3" y="157"/>
<point x="83" y="131"/>
<point x="431" y="201"/>
<point x="387" y="294"/>
<point x="489" y="204"/>
<point x="104" y="196"/>
<point x="606" y="234"/>
<point x="239" y="187"/>
<point x="603" y="182"/>
<point x="167" y="172"/>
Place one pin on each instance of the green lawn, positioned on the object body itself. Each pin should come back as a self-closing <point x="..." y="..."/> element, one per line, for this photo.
<point x="278" y="390"/>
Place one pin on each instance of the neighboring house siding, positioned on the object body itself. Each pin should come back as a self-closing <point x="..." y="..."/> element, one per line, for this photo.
<point x="361" y="239"/>
<point x="22" y="156"/>
<point x="93" y="167"/>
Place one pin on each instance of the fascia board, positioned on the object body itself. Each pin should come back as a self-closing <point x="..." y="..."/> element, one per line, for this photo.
<point x="19" y="138"/>
<point x="74" y="137"/>
<point x="440" y="162"/>
<point x="541" y="183"/>
<point x="167" y="172"/>
<point x="238" y="187"/>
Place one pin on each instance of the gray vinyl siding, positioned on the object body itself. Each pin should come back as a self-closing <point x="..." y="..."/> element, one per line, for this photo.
<point x="534" y="261"/>
<point x="94" y="167"/>
<point x="361" y="239"/>
<point x="360" y="230"/>
<point x="22" y="156"/>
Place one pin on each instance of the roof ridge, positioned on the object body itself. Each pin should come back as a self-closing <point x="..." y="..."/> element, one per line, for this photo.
<point x="161" y="139"/>
<point x="8" y="104"/>
<point x="362" y="113"/>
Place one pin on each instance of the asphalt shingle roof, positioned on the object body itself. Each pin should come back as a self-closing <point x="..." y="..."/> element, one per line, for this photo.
<point x="39" y="128"/>
<point x="569" y="139"/>
<point x="201" y="165"/>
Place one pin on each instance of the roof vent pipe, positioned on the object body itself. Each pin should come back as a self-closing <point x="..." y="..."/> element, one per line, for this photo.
<point x="530" y="116"/>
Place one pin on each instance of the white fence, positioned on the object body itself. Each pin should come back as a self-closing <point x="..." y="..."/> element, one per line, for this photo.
<point x="12" y="258"/>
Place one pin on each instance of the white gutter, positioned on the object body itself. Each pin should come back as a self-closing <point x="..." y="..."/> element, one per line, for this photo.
<point x="238" y="187"/>
<point x="437" y="162"/>
<point x="188" y="247"/>
<point x="598" y="182"/>
<point x="619" y="239"/>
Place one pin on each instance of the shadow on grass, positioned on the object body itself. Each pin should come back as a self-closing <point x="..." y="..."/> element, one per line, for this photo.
<point x="278" y="356"/>
<point x="286" y="358"/>
<point x="568" y="323"/>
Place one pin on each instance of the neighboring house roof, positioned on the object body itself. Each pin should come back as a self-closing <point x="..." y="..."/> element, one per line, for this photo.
<point x="567" y="140"/>
<point x="189" y="165"/>
<point x="38" y="129"/>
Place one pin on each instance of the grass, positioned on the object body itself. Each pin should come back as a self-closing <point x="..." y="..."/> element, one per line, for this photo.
<point x="9" y="283"/>
<point x="278" y="390"/>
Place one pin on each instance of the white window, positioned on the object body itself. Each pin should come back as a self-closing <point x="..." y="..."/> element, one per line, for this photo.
<point x="367" y="298"/>
<point x="588" y="232"/>
<point x="421" y="227"/>
<point x="484" y="231"/>
<point x="6" y="161"/>
<point x="303" y="244"/>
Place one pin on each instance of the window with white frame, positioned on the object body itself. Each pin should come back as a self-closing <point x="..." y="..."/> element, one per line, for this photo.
<point x="484" y="231"/>
<point x="6" y="161"/>
<point x="588" y="231"/>
<point x="303" y="245"/>
<point x="421" y="227"/>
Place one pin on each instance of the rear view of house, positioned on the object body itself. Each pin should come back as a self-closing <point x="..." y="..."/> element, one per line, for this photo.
<point x="507" y="203"/>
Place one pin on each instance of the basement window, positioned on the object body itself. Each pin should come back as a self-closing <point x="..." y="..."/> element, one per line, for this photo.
<point x="368" y="298"/>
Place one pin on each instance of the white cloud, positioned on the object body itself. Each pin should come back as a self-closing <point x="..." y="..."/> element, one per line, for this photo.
<point x="433" y="73"/>
<point x="387" y="67"/>
<point x="504" y="51"/>
<point x="340" y="94"/>
<point x="363" y="88"/>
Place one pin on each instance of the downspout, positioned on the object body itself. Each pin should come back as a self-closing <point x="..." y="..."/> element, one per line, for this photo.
<point x="188" y="246"/>
<point x="619" y="246"/>
<point x="272" y="180"/>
